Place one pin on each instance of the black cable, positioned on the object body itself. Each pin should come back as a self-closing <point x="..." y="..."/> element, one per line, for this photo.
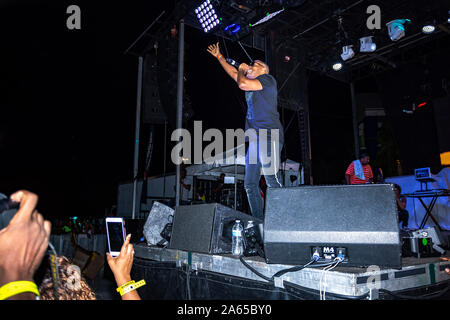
<point x="271" y="280"/>
<point x="293" y="269"/>
<point x="281" y="272"/>
<point x="254" y="270"/>
<point x="251" y="60"/>
<point x="225" y="46"/>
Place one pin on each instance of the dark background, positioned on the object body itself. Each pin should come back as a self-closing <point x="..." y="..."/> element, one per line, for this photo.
<point x="68" y="100"/>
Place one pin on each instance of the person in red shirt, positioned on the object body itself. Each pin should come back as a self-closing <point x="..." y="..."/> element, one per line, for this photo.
<point x="359" y="171"/>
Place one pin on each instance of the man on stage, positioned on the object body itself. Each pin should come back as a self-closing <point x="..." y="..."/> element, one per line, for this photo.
<point x="262" y="113"/>
<point x="359" y="171"/>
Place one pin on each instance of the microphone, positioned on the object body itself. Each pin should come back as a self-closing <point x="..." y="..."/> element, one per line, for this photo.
<point x="233" y="63"/>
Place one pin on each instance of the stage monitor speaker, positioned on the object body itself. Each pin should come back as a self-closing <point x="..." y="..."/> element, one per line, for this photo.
<point x="205" y="228"/>
<point x="359" y="220"/>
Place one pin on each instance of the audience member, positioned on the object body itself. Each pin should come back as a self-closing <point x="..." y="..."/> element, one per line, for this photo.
<point x="23" y="244"/>
<point x="71" y="284"/>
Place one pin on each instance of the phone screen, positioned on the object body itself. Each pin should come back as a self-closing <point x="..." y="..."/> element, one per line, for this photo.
<point x="115" y="233"/>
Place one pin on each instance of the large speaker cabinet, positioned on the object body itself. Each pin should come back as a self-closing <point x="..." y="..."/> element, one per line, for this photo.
<point x="205" y="228"/>
<point x="359" y="219"/>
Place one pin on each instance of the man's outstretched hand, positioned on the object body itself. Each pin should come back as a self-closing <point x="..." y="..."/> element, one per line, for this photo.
<point x="214" y="49"/>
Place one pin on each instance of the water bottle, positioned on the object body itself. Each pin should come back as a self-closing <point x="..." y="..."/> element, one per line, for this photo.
<point x="249" y="224"/>
<point x="237" y="247"/>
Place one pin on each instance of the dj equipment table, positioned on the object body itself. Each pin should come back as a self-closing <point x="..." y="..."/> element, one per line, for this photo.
<point x="434" y="195"/>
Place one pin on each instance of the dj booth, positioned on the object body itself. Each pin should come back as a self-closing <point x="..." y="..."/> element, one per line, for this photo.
<point x="354" y="227"/>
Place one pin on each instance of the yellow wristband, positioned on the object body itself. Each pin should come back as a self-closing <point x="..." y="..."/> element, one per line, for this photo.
<point x="124" y="285"/>
<point x="18" y="287"/>
<point x="131" y="287"/>
<point x="219" y="56"/>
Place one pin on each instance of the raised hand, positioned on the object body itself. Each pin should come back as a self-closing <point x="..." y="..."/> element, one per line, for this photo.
<point x="24" y="241"/>
<point x="121" y="265"/>
<point x="214" y="49"/>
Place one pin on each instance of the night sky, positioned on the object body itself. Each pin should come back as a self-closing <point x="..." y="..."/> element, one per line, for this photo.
<point x="68" y="100"/>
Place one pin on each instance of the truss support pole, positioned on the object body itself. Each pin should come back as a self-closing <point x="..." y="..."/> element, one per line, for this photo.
<point x="137" y="134"/>
<point x="180" y="100"/>
<point x="355" y="120"/>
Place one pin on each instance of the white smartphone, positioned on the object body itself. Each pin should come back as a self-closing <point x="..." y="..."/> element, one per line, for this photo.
<point x="115" y="233"/>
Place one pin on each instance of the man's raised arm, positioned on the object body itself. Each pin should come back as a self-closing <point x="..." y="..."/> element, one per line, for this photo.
<point x="215" y="51"/>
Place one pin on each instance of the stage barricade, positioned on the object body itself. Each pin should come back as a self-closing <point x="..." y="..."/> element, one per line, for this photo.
<point x="63" y="243"/>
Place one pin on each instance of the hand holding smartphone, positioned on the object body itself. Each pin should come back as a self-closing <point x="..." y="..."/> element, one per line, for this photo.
<point x="116" y="235"/>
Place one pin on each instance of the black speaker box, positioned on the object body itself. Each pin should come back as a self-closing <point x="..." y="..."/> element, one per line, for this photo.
<point x="359" y="220"/>
<point x="206" y="228"/>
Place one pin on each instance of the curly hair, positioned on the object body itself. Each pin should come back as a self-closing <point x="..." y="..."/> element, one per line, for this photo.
<point x="71" y="285"/>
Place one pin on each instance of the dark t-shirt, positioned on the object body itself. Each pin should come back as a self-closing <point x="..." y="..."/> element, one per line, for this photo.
<point x="262" y="112"/>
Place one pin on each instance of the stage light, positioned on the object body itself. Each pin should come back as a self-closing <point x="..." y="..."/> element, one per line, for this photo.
<point x="396" y="28"/>
<point x="367" y="45"/>
<point x="428" y="28"/>
<point x="337" y="66"/>
<point x="267" y="17"/>
<point x="420" y="105"/>
<point x="207" y="16"/>
<point x="445" y="158"/>
<point x="347" y="53"/>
